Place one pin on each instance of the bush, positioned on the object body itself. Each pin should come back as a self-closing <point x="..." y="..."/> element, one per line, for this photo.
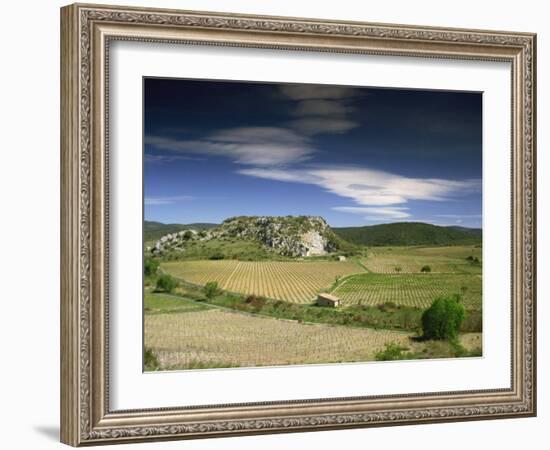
<point x="211" y="289"/>
<point x="397" y="269"/>
<point x="150" y="267"/>
<point x="426" y="269"/>
<point x="473" y="259"/>
<point x="166" y="283"/>
<point x="443" y="319"/>
<point x="387" y="306"/>
<point x="150" y="360"/>
<point x="393" y="352"/>
<point x="255" y="302"/>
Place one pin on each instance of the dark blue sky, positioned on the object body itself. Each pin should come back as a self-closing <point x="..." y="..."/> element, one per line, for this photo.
<point x="356" y="156"/>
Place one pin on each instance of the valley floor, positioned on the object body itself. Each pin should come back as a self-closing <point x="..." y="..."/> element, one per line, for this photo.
<point x="246" y="324"/>
<point x="195" y="336"/>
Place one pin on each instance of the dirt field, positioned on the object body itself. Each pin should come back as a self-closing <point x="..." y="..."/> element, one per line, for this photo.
<point x="219" y="338"/>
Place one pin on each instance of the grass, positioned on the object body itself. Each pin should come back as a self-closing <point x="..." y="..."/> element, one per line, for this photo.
<point x="166" y="304"/>
<point x="429" y="350"/>
<point x="383" y="316"/>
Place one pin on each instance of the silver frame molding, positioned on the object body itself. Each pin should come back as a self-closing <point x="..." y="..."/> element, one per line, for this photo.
<point x="86" y="33"/>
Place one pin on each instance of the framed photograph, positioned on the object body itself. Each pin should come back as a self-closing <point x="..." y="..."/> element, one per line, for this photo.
<point x="276" y="224"/>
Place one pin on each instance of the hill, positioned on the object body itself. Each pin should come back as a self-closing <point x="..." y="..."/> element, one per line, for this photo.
<point x="409" y="233"/>
<point x="155" y="230"/>
<point x="255" y="236"/>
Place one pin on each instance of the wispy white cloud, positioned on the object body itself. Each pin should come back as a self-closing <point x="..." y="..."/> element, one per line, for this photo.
<point x="387" y="212"/>
<point x="153" y="201"/>
<point x="368" y="187"/>
<point x="257" y="146"/>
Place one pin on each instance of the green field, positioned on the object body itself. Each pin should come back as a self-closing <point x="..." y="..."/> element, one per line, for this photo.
<point x="169" y="304"/>
<point x="412" y="259"/>
<point x="418" y="290"/>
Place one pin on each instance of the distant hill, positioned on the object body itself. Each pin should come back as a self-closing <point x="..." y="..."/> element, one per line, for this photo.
<point x="409" y="233"/>
<point x="155" y="230"/>
<point x="476" y="232"/>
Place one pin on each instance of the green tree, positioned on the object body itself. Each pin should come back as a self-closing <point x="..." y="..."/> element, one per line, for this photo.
<point x="398" y="269"/>
<point x="166" y="283"/>
<point x="150" y="266"/>
<point x="443" y="319"/>
<point x="426" y="269"/>
<point x="211" y="289"/>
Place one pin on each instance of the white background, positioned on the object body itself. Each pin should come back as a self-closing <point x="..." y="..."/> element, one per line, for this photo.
<point x="132" y="389"/>
<point x="29" y="177"/>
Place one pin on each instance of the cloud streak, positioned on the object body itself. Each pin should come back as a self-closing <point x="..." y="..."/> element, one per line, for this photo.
<point x="368" y="187"/>
<point x="378" y="212"/>
<point x="154" y="201"/>
<point x="257" y="146"/>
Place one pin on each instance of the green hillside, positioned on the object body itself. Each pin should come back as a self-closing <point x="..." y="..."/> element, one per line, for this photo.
<point x="155" y="230"/>
<point x="409" y="233"/>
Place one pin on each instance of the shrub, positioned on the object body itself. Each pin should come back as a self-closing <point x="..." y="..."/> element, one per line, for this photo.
<point x="426" y="269"/>
<point x="166" y="283"/>
<point x="397" y="269"/>
<point x="255" y="302"/>
<point x="443" y="319"/>
<point x="392" y="352"/>
<point x="150" y="267"/>
<point x="388" y="306"/>
<point x="150" y="360"/>
<point x="211" y="289"/>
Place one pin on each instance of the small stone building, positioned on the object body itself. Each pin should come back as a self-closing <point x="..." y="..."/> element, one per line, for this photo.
<point x="328" y="300"/>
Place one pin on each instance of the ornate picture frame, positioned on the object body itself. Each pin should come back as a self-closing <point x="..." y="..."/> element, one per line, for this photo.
<point x="87" y="32"/>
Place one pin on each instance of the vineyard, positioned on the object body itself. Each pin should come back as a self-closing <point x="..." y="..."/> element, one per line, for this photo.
<point x="284" y="280"/>
<point x="386" y="274"/>
<point x="182" y="341"/>
<point x="412" y="259"/>
<point x="418" y="290"/>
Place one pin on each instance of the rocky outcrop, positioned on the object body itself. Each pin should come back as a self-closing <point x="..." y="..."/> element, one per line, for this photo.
<point x="293" y="236"/>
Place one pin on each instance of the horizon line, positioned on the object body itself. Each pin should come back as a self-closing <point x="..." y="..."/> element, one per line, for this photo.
<point x="348" y="226"/>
